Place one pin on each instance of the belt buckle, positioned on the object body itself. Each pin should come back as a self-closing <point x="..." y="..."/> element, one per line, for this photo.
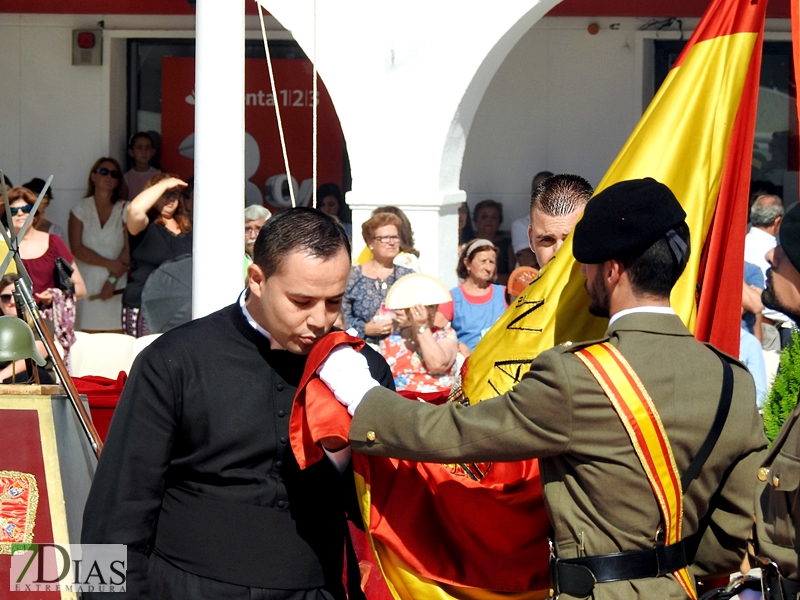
<point x="771" y="579"/>
<point x="555" y="591"/>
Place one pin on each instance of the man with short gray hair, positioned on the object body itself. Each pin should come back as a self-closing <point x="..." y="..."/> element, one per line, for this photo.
<point x="765" y="217"/>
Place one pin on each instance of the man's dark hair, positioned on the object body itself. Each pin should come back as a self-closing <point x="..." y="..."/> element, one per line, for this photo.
<point x="561" y="195"/>
<point x="140" y="135"/>
<point x="295" y="229"/>
<point x="36" y="185"/>
<point x="655" y="270"/>
<point x="538" y="177"/>
<point x="488" y="203"/>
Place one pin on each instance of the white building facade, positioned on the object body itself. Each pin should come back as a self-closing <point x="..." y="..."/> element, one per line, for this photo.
<point x="438" y="102"/>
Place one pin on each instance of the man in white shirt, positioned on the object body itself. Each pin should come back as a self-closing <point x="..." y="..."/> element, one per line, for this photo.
<point x="765" y="216"/>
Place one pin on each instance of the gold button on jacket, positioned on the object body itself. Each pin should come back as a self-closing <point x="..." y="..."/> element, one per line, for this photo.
<point x="778" y="500"/>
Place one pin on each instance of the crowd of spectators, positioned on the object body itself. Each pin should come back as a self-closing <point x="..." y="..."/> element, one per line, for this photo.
<point x="128" y="225"/>
<point x="93" y="283"/>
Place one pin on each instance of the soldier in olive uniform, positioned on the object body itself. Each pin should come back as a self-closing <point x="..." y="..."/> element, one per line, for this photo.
<point x="777" y="496"/>
<point x="633" y="242"/>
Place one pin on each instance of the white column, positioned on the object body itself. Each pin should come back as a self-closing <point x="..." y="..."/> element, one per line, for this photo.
<point x="219" y="156"/>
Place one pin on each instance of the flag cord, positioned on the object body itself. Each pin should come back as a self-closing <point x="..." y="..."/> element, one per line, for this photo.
<point x="277" y="105"/>
<point x="314" y="103"/>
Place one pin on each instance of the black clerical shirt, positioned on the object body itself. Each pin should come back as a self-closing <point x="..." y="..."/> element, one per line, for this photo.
<point x="197" y="466"/>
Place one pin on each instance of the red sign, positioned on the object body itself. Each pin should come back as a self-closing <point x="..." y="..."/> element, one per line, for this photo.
<point x="264" y="166"/>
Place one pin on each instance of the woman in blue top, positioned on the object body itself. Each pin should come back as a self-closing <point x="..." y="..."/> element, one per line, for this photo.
<point x="478" y="302"/>
<point x="368" y="283"/>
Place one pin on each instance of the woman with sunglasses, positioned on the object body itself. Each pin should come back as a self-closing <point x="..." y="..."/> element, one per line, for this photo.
<point x="362" y="305"/>
<point x="98" y="239"/>
<point x="160" y="230"/>
<point x="39" y="251"/>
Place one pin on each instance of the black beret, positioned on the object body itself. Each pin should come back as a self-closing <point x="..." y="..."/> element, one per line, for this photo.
<point x="789" y="235"/>
<point x="623" y="218"/>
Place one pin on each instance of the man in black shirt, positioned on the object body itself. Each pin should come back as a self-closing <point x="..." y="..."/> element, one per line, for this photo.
<point x="197" y="476"/>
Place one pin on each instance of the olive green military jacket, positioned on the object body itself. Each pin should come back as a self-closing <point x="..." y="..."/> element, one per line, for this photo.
<point x="777" y="509"/>
<point x="594" y="485"/>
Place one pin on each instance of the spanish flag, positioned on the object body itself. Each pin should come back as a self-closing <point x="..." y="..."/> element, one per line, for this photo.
<point x="441" y="531"/>
<point x="697" y="138"/>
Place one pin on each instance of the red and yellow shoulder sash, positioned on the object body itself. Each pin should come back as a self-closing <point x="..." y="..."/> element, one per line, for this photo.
<point x="643" y="424"/>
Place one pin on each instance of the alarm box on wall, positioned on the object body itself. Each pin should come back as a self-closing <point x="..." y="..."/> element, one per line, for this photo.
<point x="87" y="47"/>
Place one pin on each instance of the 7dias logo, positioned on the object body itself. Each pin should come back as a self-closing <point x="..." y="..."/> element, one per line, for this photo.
<point x="68" y="567"/>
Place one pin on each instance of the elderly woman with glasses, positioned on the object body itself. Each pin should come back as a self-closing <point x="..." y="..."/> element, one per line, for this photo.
<point x="160" y="230"/>
<point x="98" y="239"/>
<point x="362" y="305"/>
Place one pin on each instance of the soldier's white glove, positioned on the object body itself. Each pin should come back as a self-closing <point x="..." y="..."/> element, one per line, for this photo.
<point x="346" y="373"/>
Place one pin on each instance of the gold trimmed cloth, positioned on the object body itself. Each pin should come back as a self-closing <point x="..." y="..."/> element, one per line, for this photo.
<point x="19" y="498"/>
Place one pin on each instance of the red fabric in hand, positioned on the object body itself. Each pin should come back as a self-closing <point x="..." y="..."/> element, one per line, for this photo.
<point x="316" y="413"/>
<point x="444" y="526"/>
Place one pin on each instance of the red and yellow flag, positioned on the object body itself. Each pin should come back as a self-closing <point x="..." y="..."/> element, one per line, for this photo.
<point x="696" y="137"/>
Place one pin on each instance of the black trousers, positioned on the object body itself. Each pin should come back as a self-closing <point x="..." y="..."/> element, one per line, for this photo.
<point x="168" y="582"/>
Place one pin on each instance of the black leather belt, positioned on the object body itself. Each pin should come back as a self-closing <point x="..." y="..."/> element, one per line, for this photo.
<point x="790" y="589"/>
<point x="578" y="576"/>
<point x="776" y="587"/>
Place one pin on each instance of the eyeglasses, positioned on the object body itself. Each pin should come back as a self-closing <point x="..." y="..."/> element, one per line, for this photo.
<point x="6" y="298"/>
<point x="249" y="230"/>
<point x="103" y="171"/>
<point x="387" y="239"/>
<point x="25" y="209"/>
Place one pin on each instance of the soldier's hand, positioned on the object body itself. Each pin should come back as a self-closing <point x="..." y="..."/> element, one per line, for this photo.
<point x="346" y="373"/>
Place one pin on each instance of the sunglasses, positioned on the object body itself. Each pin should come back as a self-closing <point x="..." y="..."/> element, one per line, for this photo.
<point x="103" y="171"/>
<point x="25" y="209"/>
<point x="6" y="298"/>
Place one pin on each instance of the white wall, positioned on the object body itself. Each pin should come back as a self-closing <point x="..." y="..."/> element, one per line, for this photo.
<point x="406" y="79"/>
<point x="563" y="101"/>
<point x="51" y="113"/>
